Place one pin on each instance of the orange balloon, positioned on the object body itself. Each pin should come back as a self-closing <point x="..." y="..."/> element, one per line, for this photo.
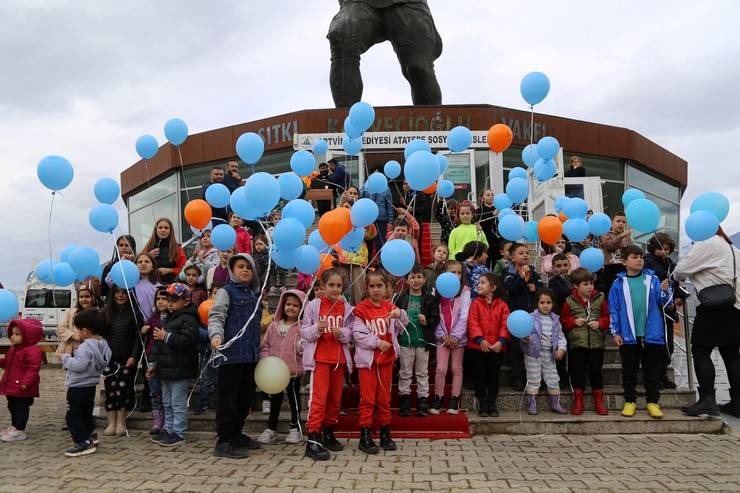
<point x="203" y="310"/>
<point x="550" y="229"/>
<point x="327" y="262"/>
<point x="198" y="213"/>
<point x="563" y="217"/>
<point x="334" y="225"/>
<point x="499" y="137"/>
<point x="431" y="189"/>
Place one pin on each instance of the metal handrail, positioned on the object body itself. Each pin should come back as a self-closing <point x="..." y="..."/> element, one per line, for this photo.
<point x="688" y="323"/>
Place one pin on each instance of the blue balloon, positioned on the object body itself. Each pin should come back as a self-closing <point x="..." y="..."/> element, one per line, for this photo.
<point x="302" y="163"/>
<point x="517" y="189"/>
<point x="518" y="173"/>
<point x="376" y="183"/>
<point x="287" y="259"/>
<point x="362" y="115"/>
<point x="630" y="195"/>
<point x="43" y="271"/>
<point x="250" y="147"/>
<point x="459" y="139"/>
<point x="223" y="237"/>
<point x="531" y="233"/>
<point x="397" y="257"/>
<point x="392" y="169"/>
<point x="315" y="240"/>
<point x="421" y="170"/>
<point x="262" y="191"/>
<point x="352" y="241"/>
<point x="713" y="202"/>
<point x="575" y="207"/>
<point x="103" y="218"/>
<point x="363" y="213"/>
<point x="548" y="147"/>
<point x="520" y="323"/>
<point x="310" y="259"/>
<point x="320" y="146"/>
<point x="176" y="131"/>
<point x="301" y="210"/>
<point x="599" y="224"/>
<point x="63" y="274"/>
<point x="55" y="172"/>
<point x="239" y="204"/>
<point x="84" y="261"/>
<point x="701" y="225"/>
<point x="545" y="170"/>
<point x="576" y="229"/>
<point x="218" y="195"/>
<point x="529" y="155"/>
<point x="351" y="130"/>
<point x="534" y="87"/>
<point x="106" y="190"/>
<point x="416" y="145"/>
<point x="512" y="227"/>
<point x="447" y="284"/>
<point x="502" y="201"/>
<point x="351" y="145"/>
<point x="288" y="234"/>
<point x="560" y="203"/>
<point x="506" y="212"/>
<point x="643" y="215"/>
<point x="291" y="186"/>
<point x="124" y="274"/>
<point x="8" y="305"/>
<point x="592" y="259"/>
<point x="66" y="252"/>
<point x="146" y="146"/>
<point x="442" y="161"/>
<point x="445" y="188"/>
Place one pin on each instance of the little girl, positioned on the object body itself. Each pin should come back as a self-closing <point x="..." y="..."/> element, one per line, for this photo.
<point x="560" y="246"/>
<point x="475" y="256"/>
<point x="243" y="238"/>
<point x="452" y="336"/>
<point x="261" y="257"/>
<point x="353" y="262"/>
<point x="465" y="232"/>
<point x="488" y="338"/>
<point x="146" y="287"/>
<point x="194" y="282"/>
<point x="283" y="339"/>
<point x="67" y="333"/>
<point x="446" y="214"/>
<point x="204" y="256"/>
<point x="439" y="258"/>
<point x="327" y="328"/>
<point x="486" y="215"/>
<point x="542" y="349"/>
<point x="376" y="348"/>
<point x="161" y="304"/>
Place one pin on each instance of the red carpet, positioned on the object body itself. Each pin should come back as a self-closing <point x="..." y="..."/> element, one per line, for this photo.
<point x="441" y="426"/>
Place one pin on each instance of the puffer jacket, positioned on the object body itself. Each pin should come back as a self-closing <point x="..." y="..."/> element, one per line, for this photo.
<point x="532" y="348"/>
<point x="620" y="309"/>
<point x="288" y="347"/>
<point x="487" y="321"/>
<point x="22" y="363"/>
<point x="460" y="309"/>
<point x="122" y="334"/>
<point x="177" y="356"/>
<point x="584" y="337"/>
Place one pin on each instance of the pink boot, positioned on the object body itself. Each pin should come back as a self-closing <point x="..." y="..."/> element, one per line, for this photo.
<point x="555" y="404"/>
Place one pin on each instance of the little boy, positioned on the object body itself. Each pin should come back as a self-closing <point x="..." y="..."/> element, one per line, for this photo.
<point x="415" y="341"/>
<point x="635" y="302"/>
<point x="83" y="375"/>
<point x="500" y="266"/>
<point x="406" y="228"/>
<point x="559" y="283"/>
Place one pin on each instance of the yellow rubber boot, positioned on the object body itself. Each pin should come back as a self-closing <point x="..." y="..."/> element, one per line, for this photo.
<point x="629" y="409"/>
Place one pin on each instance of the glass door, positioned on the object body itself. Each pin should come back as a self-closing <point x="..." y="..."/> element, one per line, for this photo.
<point x="353" y="165"/>
<point x="461" y="172"/>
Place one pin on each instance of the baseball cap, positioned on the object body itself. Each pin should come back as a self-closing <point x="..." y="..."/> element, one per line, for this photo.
<point x="178" y="290"/>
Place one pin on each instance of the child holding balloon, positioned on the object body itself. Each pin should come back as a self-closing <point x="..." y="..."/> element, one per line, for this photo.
<point x="465" y="232"/>
<point x="156" y="320"/>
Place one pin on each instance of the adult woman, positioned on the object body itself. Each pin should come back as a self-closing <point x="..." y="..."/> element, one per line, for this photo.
<point x="163" y="246"/>
<point x="711" y="263"/>
<point x="575" y="168"/>
<point x="126" y="247"/>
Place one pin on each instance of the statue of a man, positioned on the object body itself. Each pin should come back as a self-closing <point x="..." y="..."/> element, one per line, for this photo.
<point x="407" y="24"/>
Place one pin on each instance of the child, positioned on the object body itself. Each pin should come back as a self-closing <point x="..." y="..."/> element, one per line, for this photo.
<point x="636" y="302"/>
<point x="542" y="349"/>
<point x="149" y="281"/>
<point x="353" y="262"/>
<point x="618" y="237"/>
<point x="204" y="256"/>
<point x="585" y="319"/>
<point x="234" y="306"/>
<point x="83" y="375"/>
<point x="488" y="338"/>
<point x="560" y="283"/>
<point x="486" y="216"/>
<point x="451" y="335"/>
<point x="406" y="228"/>
<point x="521" y="281"/>
<point x="446" y="214"/>
<point x="376" y="348"/>
<point x="465" y="232"/>
<point x="20" y="380"/>
<point x="283" y="339"/>
<point x="205" y="369"/>
<point x="122" y="336"/>
<point x="220" y="273"/>
<point x="503" y="262"/>
<point x="327" y="328"/>
<point x="561" y="247"/>
<point x="475" y="257"/>
<point x="439" y="258"/>
<point x="175" y="361"/>
<point x="422" y="309"/>
<point x="194" y="280"/>
<point x="161" y="310"/>
<point x="243" y="238"/>
<point x="261" y="257"/>
<point x="67" y="333"/>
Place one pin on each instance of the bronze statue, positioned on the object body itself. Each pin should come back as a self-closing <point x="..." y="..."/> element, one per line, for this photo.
<point x="407" y="24"/>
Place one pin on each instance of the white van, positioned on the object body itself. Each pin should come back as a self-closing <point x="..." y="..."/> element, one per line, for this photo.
<point x="47" y="303"/>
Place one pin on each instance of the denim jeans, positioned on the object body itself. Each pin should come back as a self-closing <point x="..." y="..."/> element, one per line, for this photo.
<point x="207" y="380"/>
<point x="175" y="401"/>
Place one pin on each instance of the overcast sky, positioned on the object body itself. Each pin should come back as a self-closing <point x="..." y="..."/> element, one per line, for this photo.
<point x="84" y="79"/>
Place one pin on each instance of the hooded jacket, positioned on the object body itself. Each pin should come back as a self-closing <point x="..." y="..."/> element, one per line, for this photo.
<point x="23" y="362"/>
<point x="176" y="356"/>
<point x="288" y="347"/>
<point x="620" y="308"/>
<point x="87" y="364"/>
<point x="310" y="332"/>
<point x="558" y="338"/>
<point x="597" y="309"/>
<point x="460" y="309"/>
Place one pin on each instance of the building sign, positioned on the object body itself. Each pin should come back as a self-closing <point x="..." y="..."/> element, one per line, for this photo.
<point x="279" y="133"/>
<point x="388" y="140"/>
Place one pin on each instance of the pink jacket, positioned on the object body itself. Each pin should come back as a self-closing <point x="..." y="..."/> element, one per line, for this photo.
<point x="310" y="332"/>
<point x="366" y="342"/>
<point x="289" y="347"/>
<point x="460" y="309"/>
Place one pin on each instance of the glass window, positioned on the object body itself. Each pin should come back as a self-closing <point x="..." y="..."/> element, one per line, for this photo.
<point x="608" y="169"/>
<point x="513" y="157"/>
<point x="648" y="183"/>
<point x="141" y="222"/>
<point x="612" y="193"/>
<point x="458" y="172"/>
<point x="47" y="298"/>
<point x="153" y="192"/>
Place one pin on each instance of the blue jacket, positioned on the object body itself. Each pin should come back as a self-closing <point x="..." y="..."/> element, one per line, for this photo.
<point x="386" y="211"/>
<point x="620" y="309"/>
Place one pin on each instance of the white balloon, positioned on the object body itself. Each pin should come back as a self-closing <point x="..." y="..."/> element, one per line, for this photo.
<point x="271" y="375"/>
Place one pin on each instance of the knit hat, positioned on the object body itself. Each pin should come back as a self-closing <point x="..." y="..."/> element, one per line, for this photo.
<point x="178" y="290"/>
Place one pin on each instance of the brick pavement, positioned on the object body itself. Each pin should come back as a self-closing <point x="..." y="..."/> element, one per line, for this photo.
<point x="490" y="463"/>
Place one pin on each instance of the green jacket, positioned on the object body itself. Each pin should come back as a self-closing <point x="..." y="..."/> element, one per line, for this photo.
<point x="584" y="336"/>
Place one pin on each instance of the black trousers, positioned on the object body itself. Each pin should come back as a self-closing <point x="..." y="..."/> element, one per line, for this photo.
<point x="516" y="360"/>
<point x="670" y="345"/>
<point x="236" y="389"/>
<point x="651" y="358"/>
<point x="294" y="399"/>
<point x="582" y="362"/>
<point x="704" y="367"/>
<point x="487" y="367"/>
<point x="20" y="408"/>
<point x="80" y="404"/>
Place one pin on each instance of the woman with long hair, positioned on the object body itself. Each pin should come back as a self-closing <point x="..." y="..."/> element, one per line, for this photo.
<point x="126" y="247"/>
<point x="163" y="246"/>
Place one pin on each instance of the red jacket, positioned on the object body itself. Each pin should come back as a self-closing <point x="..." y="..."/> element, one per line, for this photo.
<point x="243" y="241"/>
<point x="487" y="320"/>
<point x="22" y="363"/>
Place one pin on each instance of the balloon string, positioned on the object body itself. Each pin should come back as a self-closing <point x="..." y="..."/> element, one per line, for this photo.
<point x="182" y="168"/>
<point x="51" y="256"/>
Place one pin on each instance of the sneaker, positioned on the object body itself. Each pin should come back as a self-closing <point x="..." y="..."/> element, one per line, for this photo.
<point x="82" y="448"/>
<point x="159" y="436"/>
<point x="454" y="406"/>
<point x="294" y="436"/>
<point x="227" y="450"/>
<point x="629" y="409"/>
<point x="243" y="441"/>
<point x="171" y="440"/>
<point x="200" y="410"/>
<point x="267" y="437"/>
<point x="265" y="407"/>
<point x="436" y="405"/>
<point x="654" y="411"/>
<point x="13" y="435"/>
<point x="94" y="439"/>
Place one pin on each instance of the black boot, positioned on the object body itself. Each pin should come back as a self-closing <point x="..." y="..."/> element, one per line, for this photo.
<point x="492" y="409"/>
<point x="436" y="405"/>
<point x="367" y="444"/>
<point x="314" y="449"/>
<point x="404" y="405"/>
<point x="733" y="407"/>
<point x="422" y="407"/>
<point x="705" y="407"/>
<point x="666" y="383"/>
<point x="330" y="441"/>
<point x="385" y="438"/>
<point x="482" y="408"/>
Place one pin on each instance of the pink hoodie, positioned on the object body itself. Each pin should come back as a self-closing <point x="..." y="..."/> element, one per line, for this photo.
<point x="288" y="347"/>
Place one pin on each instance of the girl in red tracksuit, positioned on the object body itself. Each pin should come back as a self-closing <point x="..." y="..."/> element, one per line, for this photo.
<point x="327" y="329"/>
<point x="376" y="340"/>
<point x="488" y="338"/>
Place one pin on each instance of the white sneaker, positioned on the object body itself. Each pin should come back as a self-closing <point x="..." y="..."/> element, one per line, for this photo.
<point x="267" y="437"/>
<point x="294" y="436"/>
<point x="13" y="435"/>
<point x="265" y="407"/>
